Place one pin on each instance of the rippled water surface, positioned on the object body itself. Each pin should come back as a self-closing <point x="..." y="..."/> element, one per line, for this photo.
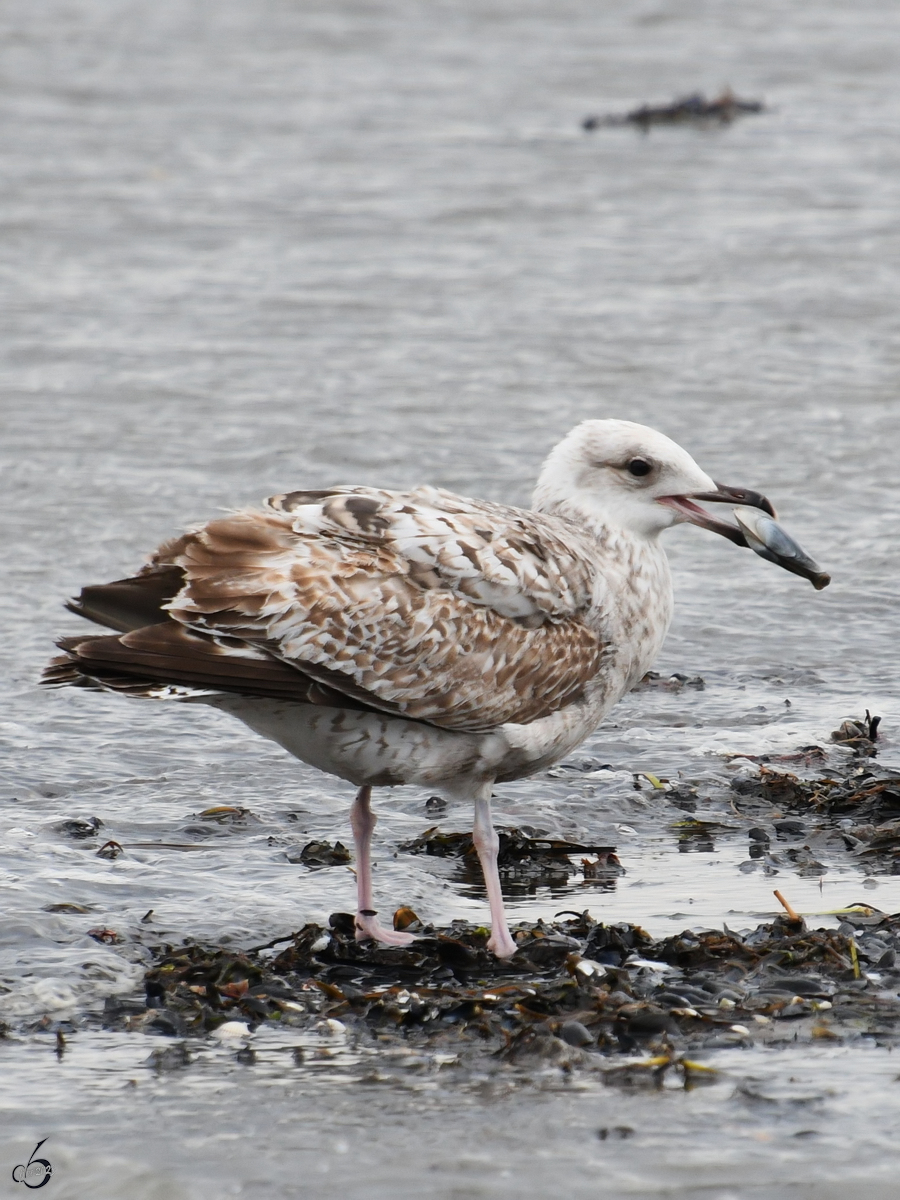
<point x="251" y="247"/>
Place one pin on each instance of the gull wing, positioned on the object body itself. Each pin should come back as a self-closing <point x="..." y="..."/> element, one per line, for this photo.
<point x="166" y="660"/>
<point x="457" y="612"/>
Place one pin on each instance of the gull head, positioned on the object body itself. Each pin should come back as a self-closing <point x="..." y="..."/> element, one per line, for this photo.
<point x="630" y="479"/>
<point x="624" y="476"/>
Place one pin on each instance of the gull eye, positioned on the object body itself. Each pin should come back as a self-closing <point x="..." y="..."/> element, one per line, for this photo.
<point x="639" y="466"/>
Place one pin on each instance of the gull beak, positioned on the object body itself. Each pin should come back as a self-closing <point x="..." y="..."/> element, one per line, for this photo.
<point x="756" y="528"/>
<point x="735" y="495"/>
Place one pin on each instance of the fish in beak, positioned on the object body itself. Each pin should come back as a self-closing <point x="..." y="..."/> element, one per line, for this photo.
<point x="756" y="529"/>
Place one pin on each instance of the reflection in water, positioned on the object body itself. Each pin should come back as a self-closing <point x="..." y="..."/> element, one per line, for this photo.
<point x="697" y="836"/>
<point x="557" y="878"/>
<point x="695" y="842"/>
<point x="527" y="862"/>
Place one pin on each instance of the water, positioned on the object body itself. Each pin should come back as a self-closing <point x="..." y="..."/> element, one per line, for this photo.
<point x="253" y="247"/>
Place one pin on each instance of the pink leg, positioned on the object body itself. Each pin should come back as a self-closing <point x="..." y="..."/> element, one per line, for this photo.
<point x="362" y="822"/>
<point x="487" y="844"/>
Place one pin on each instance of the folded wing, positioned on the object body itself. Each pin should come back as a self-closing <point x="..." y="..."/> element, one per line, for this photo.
<point x="453" y="611"/>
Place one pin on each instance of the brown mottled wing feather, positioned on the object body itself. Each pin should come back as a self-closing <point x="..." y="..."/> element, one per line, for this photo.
<point x="456" y="612"/>
<point x="130" y="603"/>
<point x="158" y="657"/>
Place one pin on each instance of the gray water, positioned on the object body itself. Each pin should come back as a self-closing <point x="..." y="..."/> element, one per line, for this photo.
<point x="251" y="247"/>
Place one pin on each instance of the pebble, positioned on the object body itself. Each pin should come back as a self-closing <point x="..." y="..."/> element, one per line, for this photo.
<point x="790" y="827"/>
<point x="575" y="1034"/>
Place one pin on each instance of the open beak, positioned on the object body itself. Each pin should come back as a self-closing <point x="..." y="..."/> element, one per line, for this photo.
<point x="756" y="528"/>
<point x="735" y="495"/>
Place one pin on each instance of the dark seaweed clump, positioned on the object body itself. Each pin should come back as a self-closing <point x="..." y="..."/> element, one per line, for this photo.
<point x="861" y="807"/>
<point x="693" y="109"/>
<point x="577" y="991"/>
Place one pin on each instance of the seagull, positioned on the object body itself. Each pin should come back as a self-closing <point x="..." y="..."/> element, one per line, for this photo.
<point x="422" y="637"/>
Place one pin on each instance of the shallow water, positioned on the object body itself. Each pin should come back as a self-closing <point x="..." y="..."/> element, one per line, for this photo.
<point x="254" y="247"/>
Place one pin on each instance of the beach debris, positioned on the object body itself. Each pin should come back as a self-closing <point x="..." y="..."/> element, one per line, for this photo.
<point x="615" y="1131"/>
<point x="232" y="1030"/>
<point x="577" y="995"/>
<point x="651" y="1073"/>
<point x="575" y="1034"/>
<point x="405" y="918"/>
<point x="859" y="735"/>
<point x="693" y="109"/>
<point x="789" y="827"/>
<point x="320" y="854"/>
<point x="170" y="1058"/>
<point x="108" y="937"/>
<point x="605" y="866"/>
<point x="862" y="795"/>
<point x="225" y="814"/>
<point x="78" y="827"/>
<point x="653" y="780"/>
<point x="111" y="850"/>
<point x="791" y="914"/>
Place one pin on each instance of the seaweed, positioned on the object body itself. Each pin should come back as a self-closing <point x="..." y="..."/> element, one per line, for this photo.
<point x="693" y="109"/>
<point x="865" y="794"/>
<point x="577" y="991"/>
<point x="320" y="854"/>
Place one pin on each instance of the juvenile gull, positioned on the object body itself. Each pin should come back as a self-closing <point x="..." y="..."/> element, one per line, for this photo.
<point x="422" y="637"/>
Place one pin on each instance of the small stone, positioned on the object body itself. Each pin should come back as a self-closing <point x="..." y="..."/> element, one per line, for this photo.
<point x="790" y="827"/>
<point x="575" y="1034"/>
